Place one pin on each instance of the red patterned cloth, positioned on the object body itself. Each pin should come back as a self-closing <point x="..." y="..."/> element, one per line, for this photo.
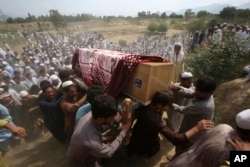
<point x="111" y="69"/>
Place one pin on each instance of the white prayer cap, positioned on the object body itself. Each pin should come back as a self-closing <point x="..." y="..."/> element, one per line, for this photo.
<point x="54" y="77"/>
<point x="4" y="63"/>
<point x="186" y="75"/>
<point x="67" y="83"/>
<point x="215" y="27"/>
<point x="27" y="67"/>
<point x="52" y="68"/>
<point x="177" y="44"/>
<point x="68" y="66"/>
<point x="23" y="93"/>
<point x="243" y="119"/>
<point x="42" y="64"/>
<point x="2" y="96"/>
<point x="1" y="89"/>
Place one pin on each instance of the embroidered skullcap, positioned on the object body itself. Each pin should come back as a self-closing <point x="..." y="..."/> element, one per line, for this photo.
<point x="67" y="83"/>
<point x="2" y="96"/>
<point x="23" y="93"/>
<point x="243" y="119"/>
<point x="186" y="75"/>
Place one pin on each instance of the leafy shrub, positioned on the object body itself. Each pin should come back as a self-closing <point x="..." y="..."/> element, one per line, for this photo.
<point x="152" y="27"/>
<point x="224" y="61"/>
<point x="162" y="28"/>
<point x="197" y="25"/>
<point x="122" y="43"/>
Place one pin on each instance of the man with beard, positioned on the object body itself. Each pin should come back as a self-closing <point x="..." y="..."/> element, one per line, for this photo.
<point x="69" y="105"/>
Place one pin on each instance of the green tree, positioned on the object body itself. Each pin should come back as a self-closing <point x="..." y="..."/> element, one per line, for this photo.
<point x="142" y="14"/>
<point x="30" y="18"/>
<point x="202" y="13"/>
<point x="57" y="19"/>
<point x="174" y="15"/>
<point x="189" y="14"/>
<point x="243" y="13"/>
<point x="214" y="21"/>
<point x="228" y="13"/>
<point x="224" y="61"/>
<point x="10" y="20"/>
<point x="197" y="25"/>
<point x="164" y="15"/>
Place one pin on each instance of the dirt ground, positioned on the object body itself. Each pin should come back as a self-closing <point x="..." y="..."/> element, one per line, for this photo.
<point x="45" y="151"/>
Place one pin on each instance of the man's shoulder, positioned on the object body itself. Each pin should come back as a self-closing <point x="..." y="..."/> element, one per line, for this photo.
<point x="85" y="107"/>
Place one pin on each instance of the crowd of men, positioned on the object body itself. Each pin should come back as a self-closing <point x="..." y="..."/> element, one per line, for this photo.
<point x="216" y="33"/>
<point x="38" y="92"/>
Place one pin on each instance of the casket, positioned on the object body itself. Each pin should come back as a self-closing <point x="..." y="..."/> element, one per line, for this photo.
<point x="138" y="76"/>
<point x="147" y="79"/>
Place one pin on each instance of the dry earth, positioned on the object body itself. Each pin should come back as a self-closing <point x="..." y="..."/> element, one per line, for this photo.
<point x="45" y="151"/>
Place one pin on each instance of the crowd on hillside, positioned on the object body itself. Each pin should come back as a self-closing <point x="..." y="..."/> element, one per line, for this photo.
<point x="216" y="33"/>
<point x="38" y="91"/>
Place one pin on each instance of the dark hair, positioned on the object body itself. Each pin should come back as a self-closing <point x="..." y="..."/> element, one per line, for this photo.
<point x="243" y="133"/>
<point x="103" y="106"/>
<point x="206" y="84"/>
<point x="46" y="86"/>
<point x="63" y="73"/>
<point x="43" y="83"/>
<point x="164" y="97"/>
<point x="34" y="90"/>
<point x="93" y="91"/>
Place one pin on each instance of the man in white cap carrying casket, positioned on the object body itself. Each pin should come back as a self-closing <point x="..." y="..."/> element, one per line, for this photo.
<point x="183" y="93"/>
<point x="31" y="108"/>
<point x="214" y="147"/>
<point x="69" y="105"/>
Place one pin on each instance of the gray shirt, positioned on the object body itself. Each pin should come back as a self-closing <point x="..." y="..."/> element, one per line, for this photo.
<point x="209" y="150"/>
<point x="194" y="112"/>
<point x="86" y="144"/>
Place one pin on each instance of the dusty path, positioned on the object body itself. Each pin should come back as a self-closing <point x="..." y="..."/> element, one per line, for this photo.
<point x="45" y="151"/>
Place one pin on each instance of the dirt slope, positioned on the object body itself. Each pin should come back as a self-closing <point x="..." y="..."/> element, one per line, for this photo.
<point x="231" y="98"/>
